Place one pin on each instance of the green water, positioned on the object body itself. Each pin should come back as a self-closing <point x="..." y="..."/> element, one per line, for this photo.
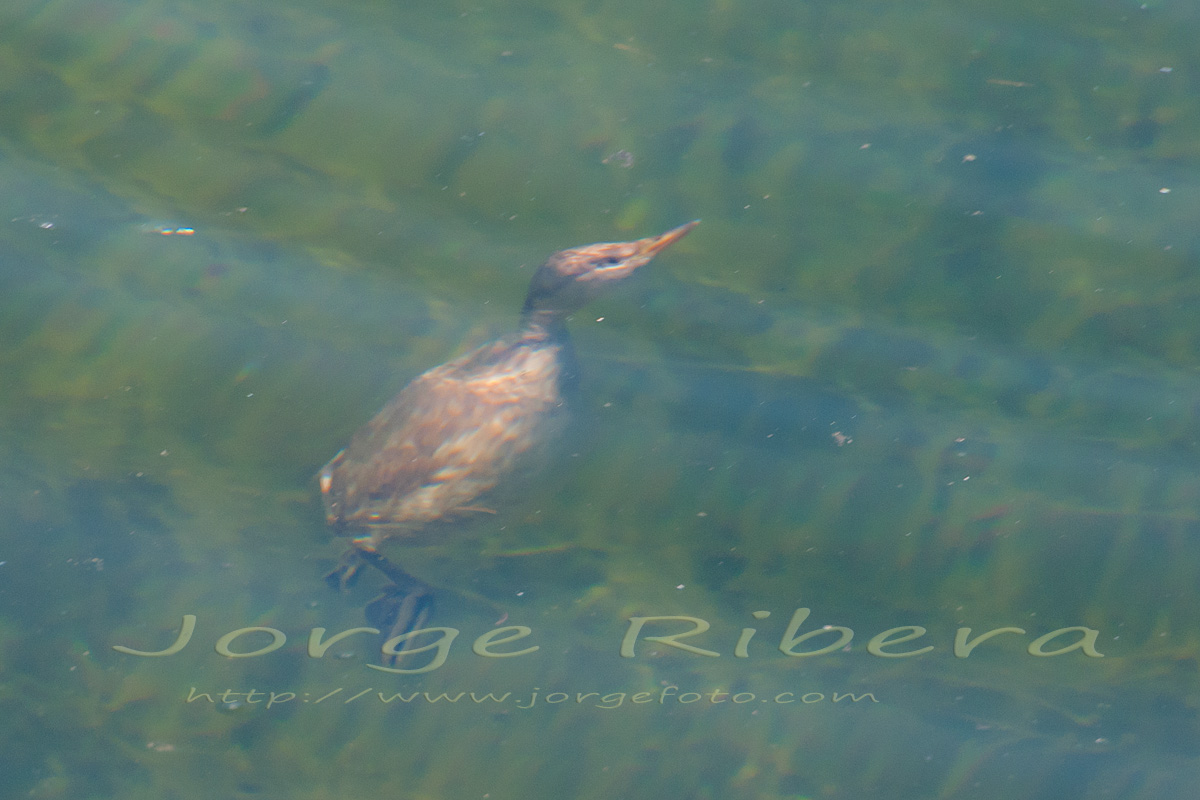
<point x="930" y="360"/>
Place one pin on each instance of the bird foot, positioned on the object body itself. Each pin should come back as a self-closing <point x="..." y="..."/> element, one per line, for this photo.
<point x="347" y="572"/>
<point x="404" y="605"/>
<point x="399" y="610"/>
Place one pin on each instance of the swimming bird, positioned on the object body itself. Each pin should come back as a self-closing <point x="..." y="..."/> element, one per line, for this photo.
<point x="437" y="450"/>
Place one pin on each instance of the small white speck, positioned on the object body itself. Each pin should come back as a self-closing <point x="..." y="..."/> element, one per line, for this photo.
<point x="1166" y="69"/>
<point x="680" y="586"/>
<point x="1164" y="190"/>
<point x="250" y="395"/>
<point x="599" y="319"/>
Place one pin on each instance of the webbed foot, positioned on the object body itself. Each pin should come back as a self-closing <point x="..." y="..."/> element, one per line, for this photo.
<point x="405" y="604"/>
<point x="347" y="572"/>
<point x="399" y="610"/>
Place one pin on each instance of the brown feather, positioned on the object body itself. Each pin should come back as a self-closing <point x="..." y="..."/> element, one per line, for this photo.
<point x="446" y="439"/>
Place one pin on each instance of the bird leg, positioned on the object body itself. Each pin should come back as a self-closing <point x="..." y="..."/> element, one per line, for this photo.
<point x="404" y="605"/>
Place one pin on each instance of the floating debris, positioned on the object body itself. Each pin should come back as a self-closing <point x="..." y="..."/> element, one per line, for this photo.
<point x="621" y="158"/>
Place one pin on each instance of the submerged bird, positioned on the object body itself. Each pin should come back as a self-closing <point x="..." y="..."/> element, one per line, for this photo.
<point x="455" y="432"/>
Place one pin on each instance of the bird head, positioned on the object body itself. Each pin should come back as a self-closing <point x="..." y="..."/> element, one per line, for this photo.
<point x="570" y="278"/>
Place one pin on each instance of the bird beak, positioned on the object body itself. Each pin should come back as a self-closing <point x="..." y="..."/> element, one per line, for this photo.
<point x="651" y="246"/>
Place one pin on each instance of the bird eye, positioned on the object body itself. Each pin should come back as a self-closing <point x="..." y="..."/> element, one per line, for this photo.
<point x="610" y="261"/>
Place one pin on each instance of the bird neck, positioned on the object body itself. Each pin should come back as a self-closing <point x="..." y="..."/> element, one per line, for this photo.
<point x="541" y="328"/>
<point x="544" y="323"/>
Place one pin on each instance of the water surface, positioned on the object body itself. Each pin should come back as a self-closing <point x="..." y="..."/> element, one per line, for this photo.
<point x="929" y="361"/>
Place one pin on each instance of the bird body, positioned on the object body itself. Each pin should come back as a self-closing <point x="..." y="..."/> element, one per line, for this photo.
<point x="457" y="431"/>
<point x="447" y="439"/>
